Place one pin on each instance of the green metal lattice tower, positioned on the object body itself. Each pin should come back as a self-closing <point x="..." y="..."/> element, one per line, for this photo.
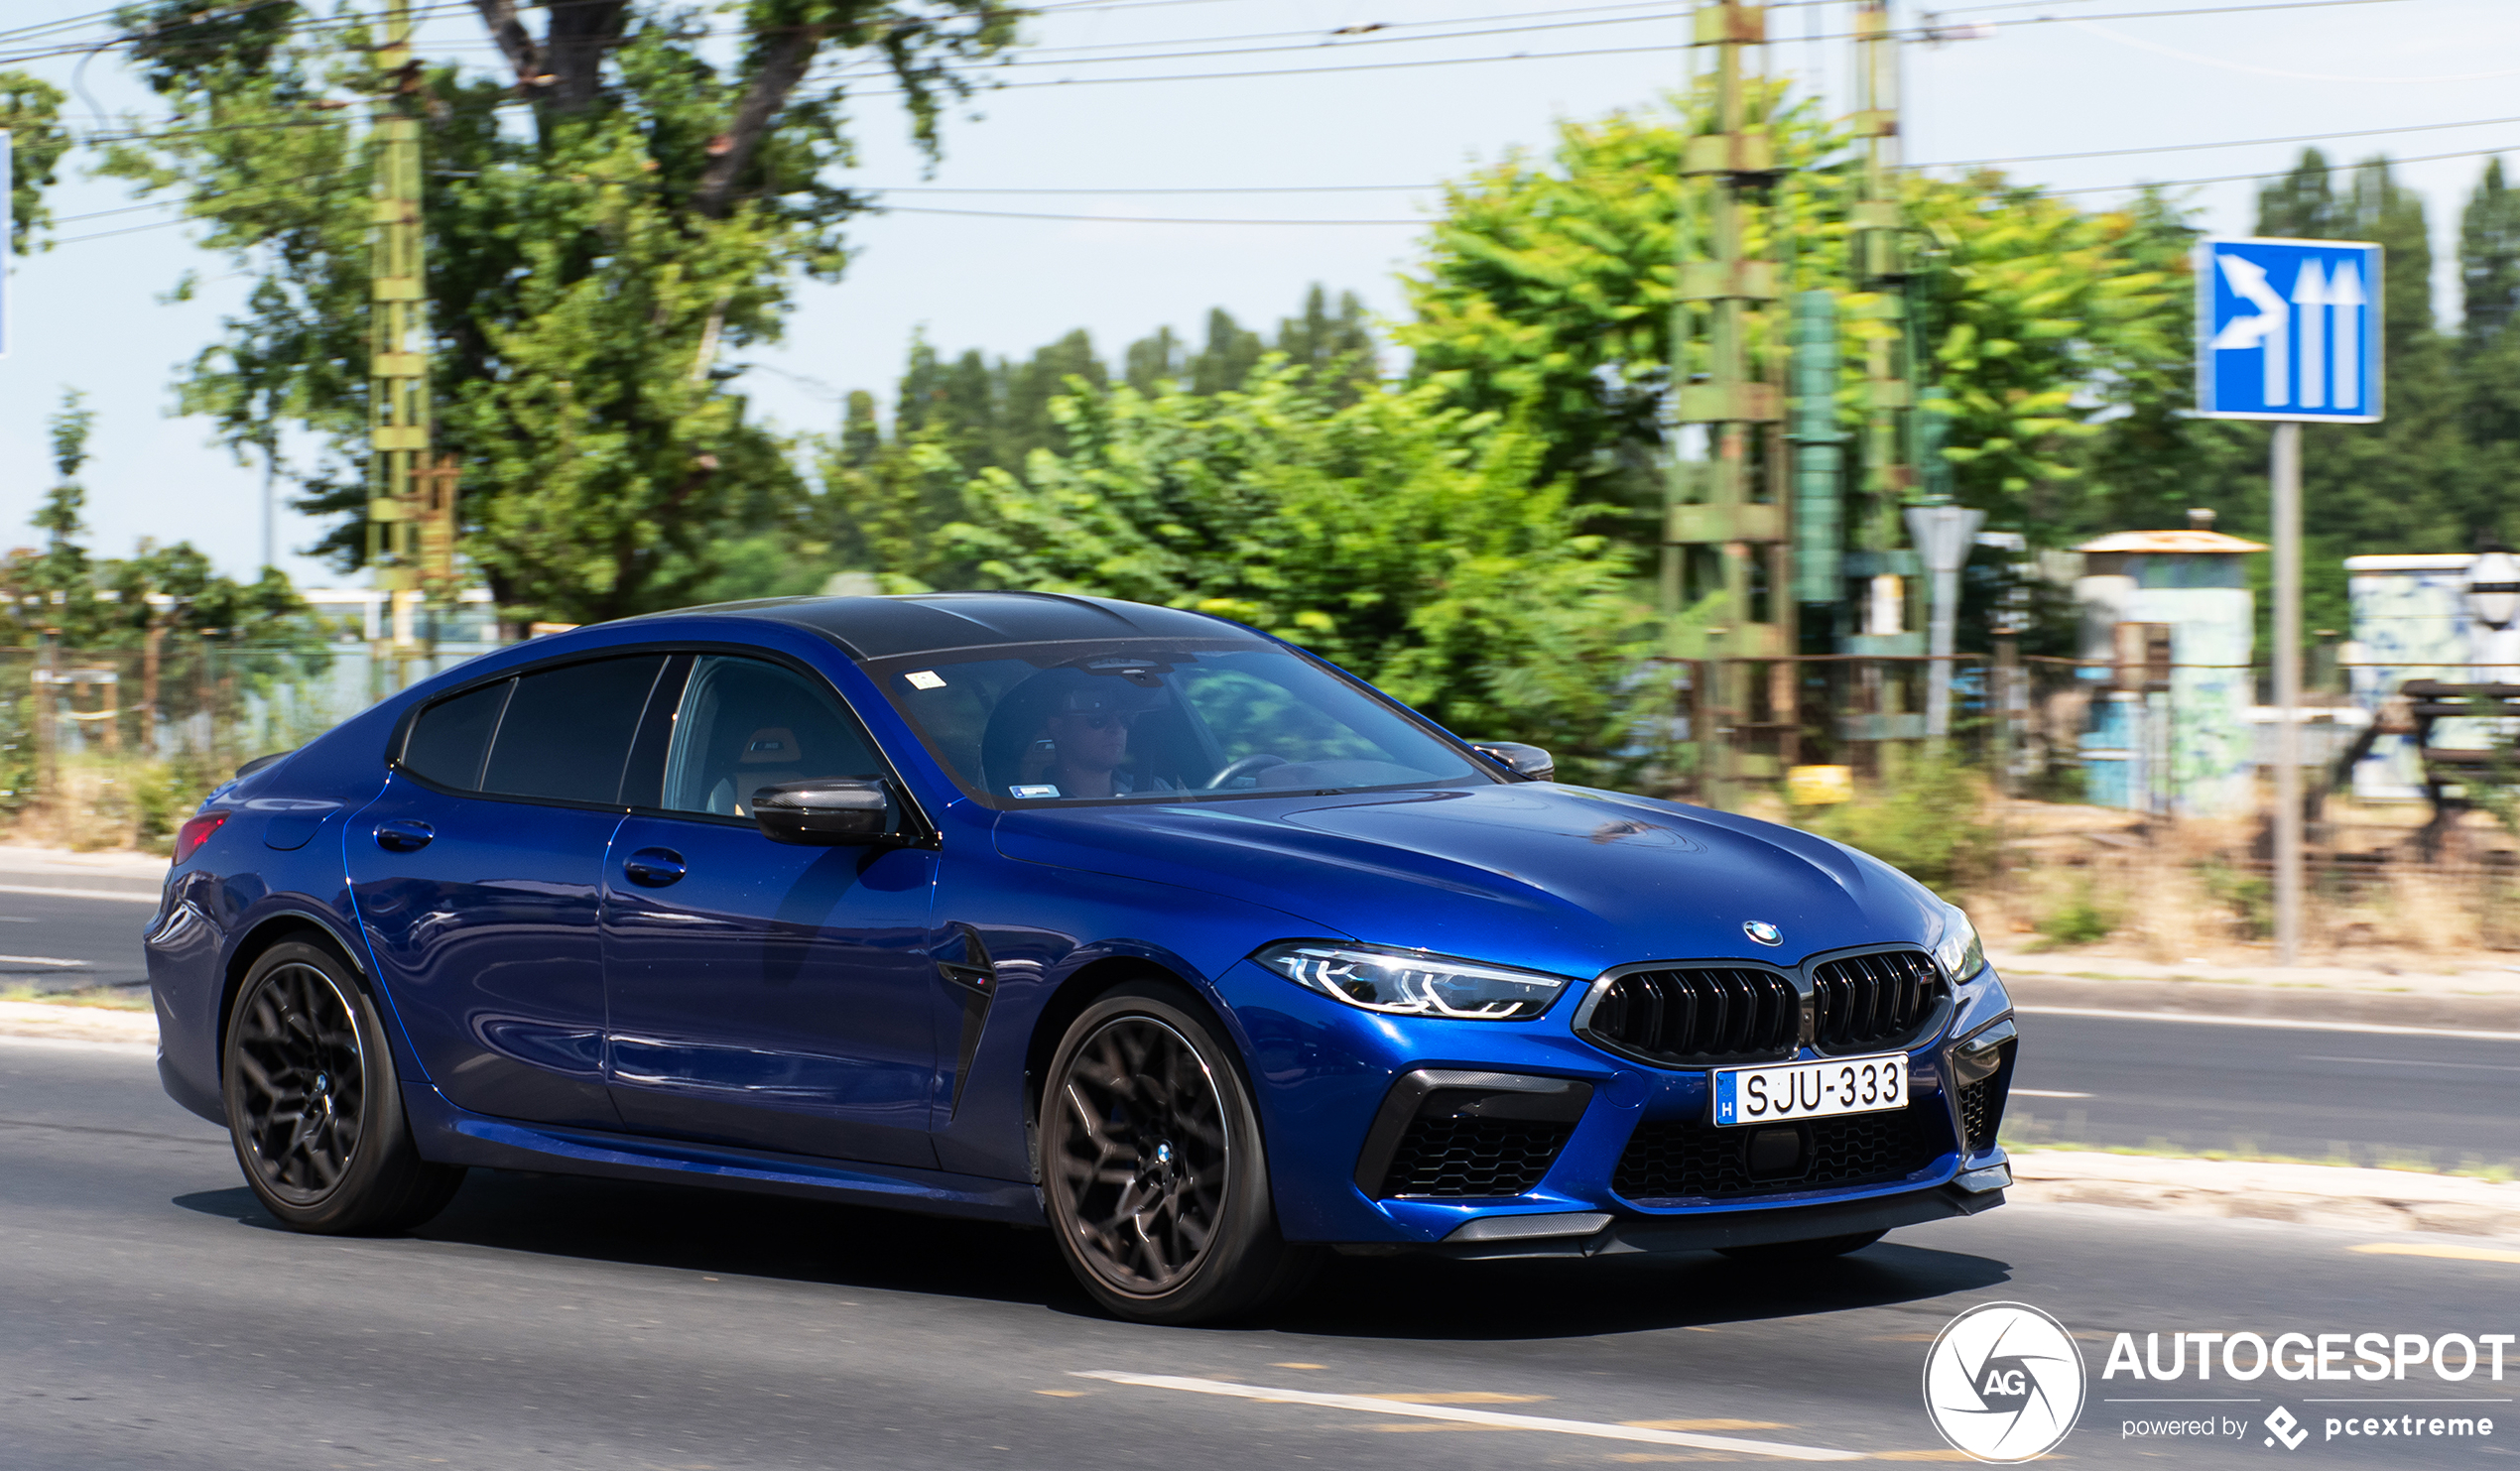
<point x="1726" y="521"/>
<point x="410" y="518"/>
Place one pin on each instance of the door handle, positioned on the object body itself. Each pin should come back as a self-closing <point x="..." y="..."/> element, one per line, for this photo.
<point x="403" y="834"/>
<point x="654" y="866"/>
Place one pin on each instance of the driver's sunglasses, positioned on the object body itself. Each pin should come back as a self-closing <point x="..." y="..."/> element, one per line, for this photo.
<point x="1104" y="719"/>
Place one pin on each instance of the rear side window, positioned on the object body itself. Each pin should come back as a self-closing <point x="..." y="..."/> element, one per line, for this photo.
<point x="450" y="738"/>
<point x="565" y="734"/>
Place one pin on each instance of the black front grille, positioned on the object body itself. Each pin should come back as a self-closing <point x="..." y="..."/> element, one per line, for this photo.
<point x="1456" y="1158"/>
<point x="1711" y="1014"/>
<point x="1675" y="1160"/>
<point x="1861" y="1001"/>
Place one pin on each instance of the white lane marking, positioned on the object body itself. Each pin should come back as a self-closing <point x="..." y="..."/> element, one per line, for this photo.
<point x="147" y="898"/>
<point x="2375" y="1029"/>
<point x="1370" y="1405"/>
<point x="2044" y="1093"/>
<point x="81" y="1044"/>
<point x="2411" y="1063"/>
<point x="40" y="960"/>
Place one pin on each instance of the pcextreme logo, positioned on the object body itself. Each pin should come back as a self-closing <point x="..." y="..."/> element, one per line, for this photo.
<point x="2004" y="1381"/>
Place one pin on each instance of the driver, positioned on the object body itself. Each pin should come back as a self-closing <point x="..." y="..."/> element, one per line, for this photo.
<point x="1085" y="741"/>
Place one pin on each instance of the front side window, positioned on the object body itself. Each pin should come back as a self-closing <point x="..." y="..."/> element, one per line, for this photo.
<point x="745" y="724"/>
<point x="1088" y="723"/>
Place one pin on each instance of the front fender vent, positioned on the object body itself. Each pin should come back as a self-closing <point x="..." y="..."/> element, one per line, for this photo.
<point x="1698" y="1014"/>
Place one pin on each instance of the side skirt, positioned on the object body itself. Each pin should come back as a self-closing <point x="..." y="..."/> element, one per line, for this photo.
<point x="453" y="1136"/>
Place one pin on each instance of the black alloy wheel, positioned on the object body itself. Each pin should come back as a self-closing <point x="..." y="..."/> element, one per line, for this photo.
<point x="313" y="1105"/>
<point x="1152" y="1166"/>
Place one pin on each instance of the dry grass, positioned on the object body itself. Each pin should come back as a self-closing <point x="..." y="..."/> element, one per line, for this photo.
<point x="104" y="997"/>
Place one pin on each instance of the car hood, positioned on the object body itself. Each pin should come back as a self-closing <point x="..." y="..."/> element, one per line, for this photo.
<point x="1561" y="879"/>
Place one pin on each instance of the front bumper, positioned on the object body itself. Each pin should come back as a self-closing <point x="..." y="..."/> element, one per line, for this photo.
<point x="1332" y="1077"/>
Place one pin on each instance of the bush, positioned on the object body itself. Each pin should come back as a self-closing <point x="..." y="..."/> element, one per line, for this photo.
<point x="2079" y="921"/>
<point x="1923" y="818"/>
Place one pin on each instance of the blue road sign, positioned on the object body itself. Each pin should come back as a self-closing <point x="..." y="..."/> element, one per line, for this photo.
<point x="2287" y="329"/>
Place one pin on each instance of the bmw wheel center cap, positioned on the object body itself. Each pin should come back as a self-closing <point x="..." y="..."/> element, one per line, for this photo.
<point x="1762" y="931"/>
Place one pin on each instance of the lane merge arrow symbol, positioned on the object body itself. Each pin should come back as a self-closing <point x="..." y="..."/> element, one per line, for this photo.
<point x="2269" y="329"/>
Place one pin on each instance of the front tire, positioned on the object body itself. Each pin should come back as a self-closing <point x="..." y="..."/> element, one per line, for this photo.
<point x="314" y="1107"/>
<point x="1152" y="1166"/>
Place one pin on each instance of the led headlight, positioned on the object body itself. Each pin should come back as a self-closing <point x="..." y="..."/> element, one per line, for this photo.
<point x="1959" y="951"/>
<point x="1413" y="984"/>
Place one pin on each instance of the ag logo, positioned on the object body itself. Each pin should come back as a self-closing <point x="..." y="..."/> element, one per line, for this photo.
<point x="2004" y="1381"/>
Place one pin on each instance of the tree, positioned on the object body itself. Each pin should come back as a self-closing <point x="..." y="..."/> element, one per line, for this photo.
<point x="1546" y="290"/>
<point x="1405" y="540"/>
<point x="61" y="579"/>
<point x="2400" y="485"/>
<point x="31" y="111"/>
<point x="587" y="270"/>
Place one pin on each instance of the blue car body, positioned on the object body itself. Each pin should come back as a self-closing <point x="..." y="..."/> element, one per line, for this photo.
<point x="870" y="1023"/>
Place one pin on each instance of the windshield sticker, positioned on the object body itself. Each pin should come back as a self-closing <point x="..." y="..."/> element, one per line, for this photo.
<point x="1033" y="790"/>
<point x="925" y="679"/>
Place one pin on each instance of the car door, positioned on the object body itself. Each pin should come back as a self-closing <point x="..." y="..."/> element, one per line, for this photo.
<point x="477" y="876"/>
<point x="761" y="994"/>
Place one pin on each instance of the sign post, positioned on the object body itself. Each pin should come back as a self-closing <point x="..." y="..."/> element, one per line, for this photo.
<point x="2288" y="330"/>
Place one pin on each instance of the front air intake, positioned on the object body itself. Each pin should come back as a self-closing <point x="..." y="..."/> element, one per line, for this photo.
<point x="1873" y="1002"/>
<point x="1697" y="1015"/>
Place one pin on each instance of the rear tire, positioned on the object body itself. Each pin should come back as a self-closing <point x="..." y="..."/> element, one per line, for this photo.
<point x="313" y="1106"/>
<point x="1817" y="1248"/>
<point x="1152" y="1166"/>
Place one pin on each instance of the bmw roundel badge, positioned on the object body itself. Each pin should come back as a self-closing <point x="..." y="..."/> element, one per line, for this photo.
<point x="1762" y="931"/>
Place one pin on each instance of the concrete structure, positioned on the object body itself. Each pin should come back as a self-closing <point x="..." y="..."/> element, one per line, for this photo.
<point x="2412" y="621"/>
<point x="2169" y="627"/>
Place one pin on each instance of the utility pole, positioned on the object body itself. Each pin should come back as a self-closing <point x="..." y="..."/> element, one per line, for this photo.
<point x="1888" y="447"/>
<point x="2284" y="471"/>
<point x="1725" y="527"/>
<point x="411" y="498"/>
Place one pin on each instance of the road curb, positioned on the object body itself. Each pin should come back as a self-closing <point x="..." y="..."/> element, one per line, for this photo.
<point x="2248" y="1190"/>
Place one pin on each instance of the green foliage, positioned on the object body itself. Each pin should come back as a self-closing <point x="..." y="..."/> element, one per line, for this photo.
<point x="1409" y="542"/>
<point x="987" y="414"/>
<point x="586" y="269"/>
<point x="2250" y="897"/>
<point x="2079" y="921"/>
<point x="31" y="112"/>
<point x="1923" y="818"/>
<point x="1551" y="286"/>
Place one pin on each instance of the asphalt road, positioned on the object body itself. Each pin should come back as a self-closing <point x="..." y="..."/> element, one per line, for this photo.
<point x="151" y="1315"/>
<point x="101" y="936"/>
<point x="2373" y="1098"/>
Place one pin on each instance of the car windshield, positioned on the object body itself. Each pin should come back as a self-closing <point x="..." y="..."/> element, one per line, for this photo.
<point x="1098" y="724"/>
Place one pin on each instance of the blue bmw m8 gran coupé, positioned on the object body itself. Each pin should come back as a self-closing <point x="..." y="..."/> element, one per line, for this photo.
<point x="1122" y="920"/>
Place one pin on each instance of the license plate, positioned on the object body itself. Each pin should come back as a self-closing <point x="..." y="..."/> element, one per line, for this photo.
<point x="1810" y="1090"/>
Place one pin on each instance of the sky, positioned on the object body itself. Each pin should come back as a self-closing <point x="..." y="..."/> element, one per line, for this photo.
<point x="1349" y="160"/>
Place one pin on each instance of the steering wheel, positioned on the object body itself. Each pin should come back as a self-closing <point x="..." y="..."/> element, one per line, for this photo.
<point x="1243" y="768"/>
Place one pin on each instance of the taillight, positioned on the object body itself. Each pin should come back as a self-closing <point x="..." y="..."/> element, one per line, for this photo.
<point x="194" y="832"/>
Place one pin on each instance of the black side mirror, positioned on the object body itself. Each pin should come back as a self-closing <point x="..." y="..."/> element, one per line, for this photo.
<point x="827" y="812"/>
<point x="1527" y="762"/>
